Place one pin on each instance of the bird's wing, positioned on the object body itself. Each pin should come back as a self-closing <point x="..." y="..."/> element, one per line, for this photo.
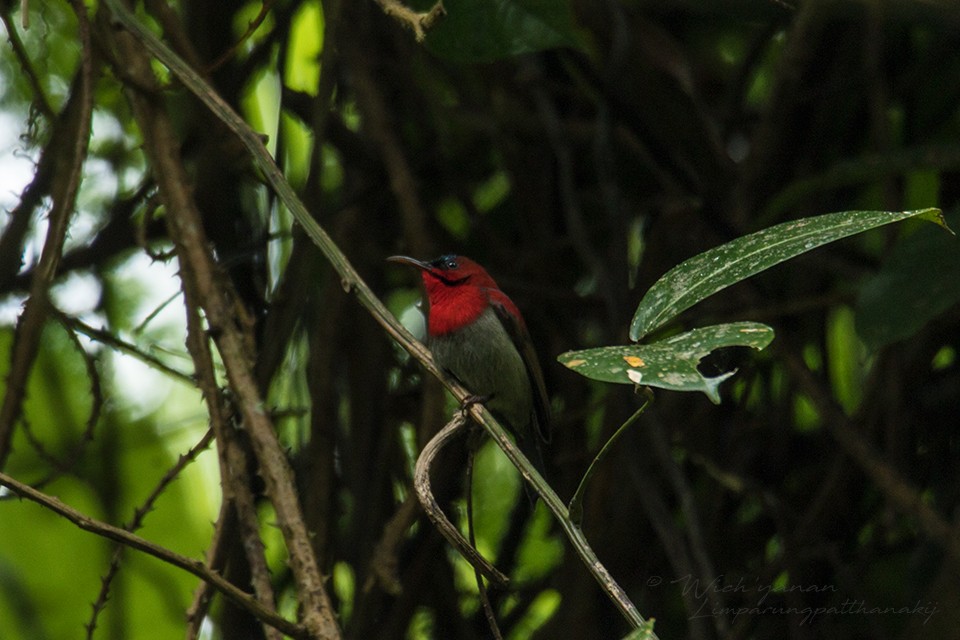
<point x="512" y="321"/>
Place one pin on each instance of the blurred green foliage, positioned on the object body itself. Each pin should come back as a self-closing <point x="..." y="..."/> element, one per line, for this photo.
<point x="579" y="150"/>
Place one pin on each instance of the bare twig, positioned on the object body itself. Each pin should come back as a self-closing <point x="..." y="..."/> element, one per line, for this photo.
<point x="481" y="588"/>
<point x="73" y="126"/>
<point x="418" y="21"/>
<point x="232" y="457"/>
<point x="215" y="558"/>
<point x="138" y="516"/>
<point x="105" y="337"/>
<point x="252" y="27"/>
<point x="421" y="483"/>
<point x="134" y="541"/>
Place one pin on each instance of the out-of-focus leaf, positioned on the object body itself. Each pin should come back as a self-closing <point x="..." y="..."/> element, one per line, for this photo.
<point x="485" y="30"/>
<point x="919" y="280"/>
<point x="705" y="274"/>
<point x="845" y="356"/>
<point x="670" y="363"/>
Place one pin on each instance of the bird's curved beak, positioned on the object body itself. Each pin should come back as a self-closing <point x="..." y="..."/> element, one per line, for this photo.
<point x="413" y="262"/>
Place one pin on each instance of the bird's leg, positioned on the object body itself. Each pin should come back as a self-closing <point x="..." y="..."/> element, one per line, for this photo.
<point x="471" y="400"/>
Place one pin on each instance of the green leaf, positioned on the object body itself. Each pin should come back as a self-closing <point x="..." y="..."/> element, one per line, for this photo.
<point x="705" y="274"/>
<point x="485" y="30"/>
<point x="845" y="358"/>
<point x="670" y="363"/>
<point x="919" y="280"/>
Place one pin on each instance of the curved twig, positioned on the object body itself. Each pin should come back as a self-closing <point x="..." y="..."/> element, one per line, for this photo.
<point x="421" y="483"/>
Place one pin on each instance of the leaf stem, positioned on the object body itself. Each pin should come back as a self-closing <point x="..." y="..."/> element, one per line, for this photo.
<point x="575" y="507"/>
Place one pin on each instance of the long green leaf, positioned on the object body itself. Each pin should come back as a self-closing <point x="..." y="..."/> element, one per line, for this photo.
<point x="705" y="274"/>
<point x="671" y="363"/>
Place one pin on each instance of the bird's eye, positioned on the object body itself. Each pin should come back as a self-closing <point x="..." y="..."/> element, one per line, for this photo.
<point x="451" y="264"/>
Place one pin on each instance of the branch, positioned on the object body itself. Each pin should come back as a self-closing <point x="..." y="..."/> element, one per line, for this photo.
<point x="40" y="98"/>
<point x="229" y="323"/>
<point x="122" y="536"/>
<point x="73" y="126"/>
<point x="421" y="483"/>
<point x="418" y="22"/>
<point x="352" y="283"/>
<point x="530" y="474"/>
<point x="215" y="557"/>
<point x="231" y="456"/>
<point x="140" y="513"/>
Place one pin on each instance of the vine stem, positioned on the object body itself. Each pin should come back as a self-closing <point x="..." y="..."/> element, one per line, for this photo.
<point x="575" y="506"/>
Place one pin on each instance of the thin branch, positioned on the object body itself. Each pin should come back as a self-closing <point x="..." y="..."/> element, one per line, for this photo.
<point x="229" y="322"/>
<point x="232" y="457"/>
<point x="74" y="126"/>
<point x="105" y="337"/>
<point x="139" y="515"/>
<point x="215" y="558"/>
<point x="134" y="541"/>
<point x="352" y="283"/>
<point x="418" y="21"/>
<point x="64" y="464"/>
<point x="575" y="506"/>
<point x="421" y="483"/>
<point x="252" y="27"/>
<point x="481" y="588"/>
<point x="40" y="98"/>
<point x="96" y="388"/>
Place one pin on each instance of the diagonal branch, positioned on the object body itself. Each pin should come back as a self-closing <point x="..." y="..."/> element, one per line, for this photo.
<point x="138" y="517"/>
<point x="352" y="283"/>
<point x="229" y="324"/>
<point x="232" y="458"/>
<point x="134" y="541"/>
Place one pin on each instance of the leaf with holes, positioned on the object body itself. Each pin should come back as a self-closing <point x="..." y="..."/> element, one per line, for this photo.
<point x="671" y="363"/>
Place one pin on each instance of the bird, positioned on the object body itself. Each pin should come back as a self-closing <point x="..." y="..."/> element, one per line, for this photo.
<point x="476" y="334"/>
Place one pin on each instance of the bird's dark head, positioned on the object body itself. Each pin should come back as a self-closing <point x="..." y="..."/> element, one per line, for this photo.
<point x="449" y="271"/>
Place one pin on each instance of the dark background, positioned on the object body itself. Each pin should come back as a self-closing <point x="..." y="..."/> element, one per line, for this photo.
<point x="578" y="174"/>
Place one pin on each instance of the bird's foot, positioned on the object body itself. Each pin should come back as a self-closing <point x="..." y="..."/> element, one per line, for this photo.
<point x="469" y="401"/>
